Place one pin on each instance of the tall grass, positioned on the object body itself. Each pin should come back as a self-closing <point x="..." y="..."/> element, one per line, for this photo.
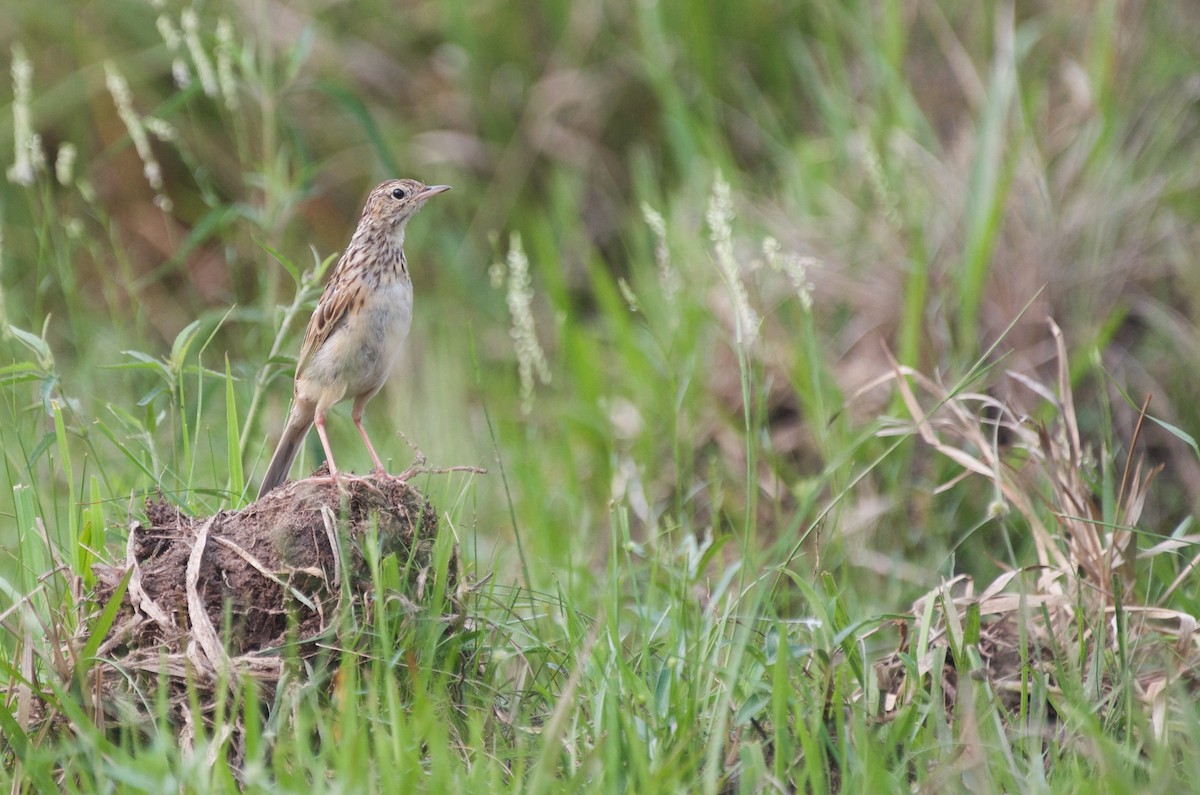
<point x="727" y="230"/>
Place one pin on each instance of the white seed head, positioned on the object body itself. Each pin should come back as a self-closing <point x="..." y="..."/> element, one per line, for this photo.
<point x="720" y="226"/>
<point x="168" y="31"/>
<point x="794" y="267"/>
<point x="162" y="130"/>
<point x="123" y="99"/>
<point x="28" y="157"/>
<point x="191" y="37"/>
<point x="531" y="360"/>
<point x="496" y="274"/>
<point x="180" y="73"/>
<point x="174" y="41"/>
<point x="627" y="294"/>
<point x="64" y="163"/>
<point x="668" y="278"/>
<point x="225" y="52"/>
<point x="878" y="181"/>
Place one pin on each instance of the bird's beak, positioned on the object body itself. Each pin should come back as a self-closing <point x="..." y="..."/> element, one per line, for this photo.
<point x="433" y="190"/>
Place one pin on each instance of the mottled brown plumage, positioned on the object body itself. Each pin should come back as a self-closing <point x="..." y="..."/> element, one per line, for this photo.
<point x="358" y="327"/>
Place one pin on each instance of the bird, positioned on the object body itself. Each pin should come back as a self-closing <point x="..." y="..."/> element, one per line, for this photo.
<point x="358" y="327"/>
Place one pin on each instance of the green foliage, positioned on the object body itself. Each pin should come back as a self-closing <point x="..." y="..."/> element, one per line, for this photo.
<point x="701" y="522"/>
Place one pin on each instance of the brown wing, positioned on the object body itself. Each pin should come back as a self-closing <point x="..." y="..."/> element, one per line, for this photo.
<point x="340" y="293"/>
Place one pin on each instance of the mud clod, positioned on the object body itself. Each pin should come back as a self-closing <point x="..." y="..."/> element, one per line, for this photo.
<point x="211" y="599"/>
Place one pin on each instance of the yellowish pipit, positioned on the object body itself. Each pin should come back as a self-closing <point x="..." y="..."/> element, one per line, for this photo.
<point x="358" y="328"/>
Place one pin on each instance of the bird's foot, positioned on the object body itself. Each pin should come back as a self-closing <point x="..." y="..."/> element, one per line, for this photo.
<point x="343" y="480"/>
<point x="336" y="479"/>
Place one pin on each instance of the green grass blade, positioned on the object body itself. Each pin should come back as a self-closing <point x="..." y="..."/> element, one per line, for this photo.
<point x="237" y="480"/>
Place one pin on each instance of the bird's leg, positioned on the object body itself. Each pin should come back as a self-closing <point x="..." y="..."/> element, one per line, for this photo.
<point x="356" y="415"/>
<point x="319" y="421"/>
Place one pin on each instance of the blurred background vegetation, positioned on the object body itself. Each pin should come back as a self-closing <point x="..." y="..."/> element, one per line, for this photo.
<point x="689" y="251"/>
<point x="946" y="174"/>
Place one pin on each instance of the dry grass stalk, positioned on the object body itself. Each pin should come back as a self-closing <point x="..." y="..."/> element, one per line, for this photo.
<point x="1081" y="591"/>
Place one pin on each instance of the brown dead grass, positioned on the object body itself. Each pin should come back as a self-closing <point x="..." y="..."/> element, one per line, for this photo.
<point x="1081" y="592"/>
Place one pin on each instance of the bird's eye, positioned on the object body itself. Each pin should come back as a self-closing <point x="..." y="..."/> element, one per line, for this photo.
<point x="399" y="193"/>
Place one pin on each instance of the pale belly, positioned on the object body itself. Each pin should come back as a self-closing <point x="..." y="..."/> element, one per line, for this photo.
<point x="360" y="353"/>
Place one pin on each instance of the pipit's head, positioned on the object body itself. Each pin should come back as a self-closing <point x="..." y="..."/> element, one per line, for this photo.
<point x="392" y="203"/>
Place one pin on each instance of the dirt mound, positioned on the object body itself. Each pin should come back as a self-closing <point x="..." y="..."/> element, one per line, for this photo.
<point x="211" y="599"/>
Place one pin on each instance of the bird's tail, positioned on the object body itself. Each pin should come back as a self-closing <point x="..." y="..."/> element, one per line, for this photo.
<point x="299" y="421"/>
